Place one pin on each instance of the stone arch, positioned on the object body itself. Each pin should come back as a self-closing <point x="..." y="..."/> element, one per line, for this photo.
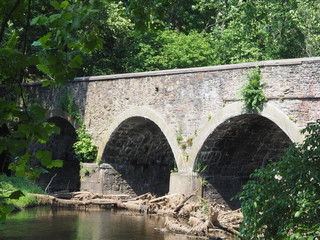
<point x="58" y="112"/>
<point x="61" y="146"/>
<point x="148" y="113"/>
<point x="138" y="153"/>
<point x="235" y="143"/>
<point x="269" y="111"/>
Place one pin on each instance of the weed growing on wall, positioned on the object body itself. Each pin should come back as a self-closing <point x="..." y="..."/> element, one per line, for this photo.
<point x="179" y="136"/>
<point x="189" y="141"/>
<point x="175" y="168"/>
<point x="68" y="105"/>
<point x="201" y="168"/>
<point x="252" y="93"/>
<point x="84" y="172"/>
<point x="84" y="148"/>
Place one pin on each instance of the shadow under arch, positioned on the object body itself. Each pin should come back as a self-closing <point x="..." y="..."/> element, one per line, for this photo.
<point x="137" y="154"/>
<point x="236" y="143"/>
<point x="61" y="146"/>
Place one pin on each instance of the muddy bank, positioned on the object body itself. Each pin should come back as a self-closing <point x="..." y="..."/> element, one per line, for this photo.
<point x="199" y="218"/>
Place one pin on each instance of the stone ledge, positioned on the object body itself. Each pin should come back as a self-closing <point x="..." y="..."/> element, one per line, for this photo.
<point x="281" y="62"/>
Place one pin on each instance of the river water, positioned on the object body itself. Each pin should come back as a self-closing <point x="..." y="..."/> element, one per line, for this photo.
<point x="47" y="223"/>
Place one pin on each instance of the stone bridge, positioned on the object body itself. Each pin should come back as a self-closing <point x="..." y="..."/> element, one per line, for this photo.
<point x="183" y="130"/>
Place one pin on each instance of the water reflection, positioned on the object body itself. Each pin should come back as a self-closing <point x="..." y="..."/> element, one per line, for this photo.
<point x="49" y="223"/>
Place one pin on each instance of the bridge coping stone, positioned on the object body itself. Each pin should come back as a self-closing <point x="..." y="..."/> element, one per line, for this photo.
<point x="281" y="62"/>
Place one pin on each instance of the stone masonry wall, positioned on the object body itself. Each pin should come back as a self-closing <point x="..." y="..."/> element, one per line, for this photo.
<point x="188" y="99"/>
<point x="185" y="97"/>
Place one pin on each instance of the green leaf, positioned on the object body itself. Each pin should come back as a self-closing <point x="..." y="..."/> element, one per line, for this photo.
<point x="36" y="44"/>
<point x="64" y="4"/>
<point x="44" y="156"/>
<point x="297" y="214"/>
<point x="39" y="20"/>
<point x="76" y="62"/>
<point x="24" y="129"/>
<point x="47" y="83"/>
<point x="56" y="5"/>
<point x="45" y="38"/>
<point x="38" y="112"/>
<point x="55" y="163"/>
<point x="13" y="40"/>
<point x="20" y="170"/>
<point x="5" y="210"/>
<point x="44" y="68"/>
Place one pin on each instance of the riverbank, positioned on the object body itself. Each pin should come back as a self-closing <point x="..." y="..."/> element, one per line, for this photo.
<point x="12" y="184"/>
<point x="198" y="218"/>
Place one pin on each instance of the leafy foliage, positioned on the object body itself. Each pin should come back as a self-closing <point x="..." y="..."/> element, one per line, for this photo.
<point x="221" y="32"/>
<point x="116" y="30"/>
<point x="307" y="19"/>
<point x="67" y="34"/>
<point x="252" y="92"/>
<point x="257" y="30"/>
<point x="14" y="194"/>
<point x="84" y="148"/>
<point x="68" y="105"/>
<point x="282" y="201"/>
<point x="171" y="49"/>
<point x="64" y="32"/>
<point x="27" y="125"/>
<point x="200" y="168"/>
<point x="147" y="14"/>
<point x="37" y="41"/>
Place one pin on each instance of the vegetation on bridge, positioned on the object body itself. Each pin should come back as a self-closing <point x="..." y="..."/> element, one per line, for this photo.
<point x="252" y="92"/>
<point x="84" y="148"/>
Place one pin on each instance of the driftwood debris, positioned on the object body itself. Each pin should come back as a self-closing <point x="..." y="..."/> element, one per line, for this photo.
<point x="185" y="216"/>
<point x="177" y="209"/>
<point x="163" y="198"/>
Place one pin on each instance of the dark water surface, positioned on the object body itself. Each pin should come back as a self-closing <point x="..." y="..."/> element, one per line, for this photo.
<point x="58" y="224"/>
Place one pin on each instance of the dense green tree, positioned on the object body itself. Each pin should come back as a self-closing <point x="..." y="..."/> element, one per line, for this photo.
<point x="240" y="31"/>
<point x="172" y="49"/>
<point x="116" y="30"/>
<point x="282" y="201"/>
<point x="258" y="30"/>
<point x="307" y="18"/>
<point x="37" y="40"/>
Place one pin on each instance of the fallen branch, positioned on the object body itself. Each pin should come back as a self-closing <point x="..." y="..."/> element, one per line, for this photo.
<point x="159" y="199"/>
<point x="50" y="182"/>
<point x="177" y="209"/>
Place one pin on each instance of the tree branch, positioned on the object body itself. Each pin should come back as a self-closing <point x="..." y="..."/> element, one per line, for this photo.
<point x="26" y="28"/>
<point x="6" y="19"/>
